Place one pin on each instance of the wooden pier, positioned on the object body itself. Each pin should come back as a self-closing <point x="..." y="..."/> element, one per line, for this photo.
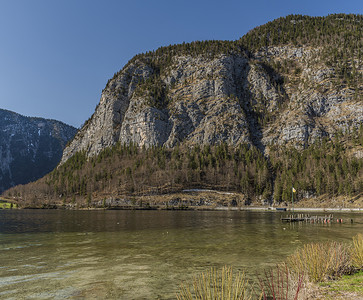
<point x="309" y="218"/>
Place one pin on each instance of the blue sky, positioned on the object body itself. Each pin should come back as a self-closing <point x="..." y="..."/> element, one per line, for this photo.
<point x="56" y="56"/>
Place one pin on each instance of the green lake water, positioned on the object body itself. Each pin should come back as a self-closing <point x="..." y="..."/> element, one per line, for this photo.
<point x="53" y="254"/>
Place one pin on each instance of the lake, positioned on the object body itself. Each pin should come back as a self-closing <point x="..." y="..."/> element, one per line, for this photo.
<point x="59" y="254"/>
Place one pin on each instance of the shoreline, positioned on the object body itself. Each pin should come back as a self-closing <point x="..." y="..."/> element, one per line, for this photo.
<point x="298" y="209"/>
<point x="204" y="208"/>
<point x="192" y="200"/>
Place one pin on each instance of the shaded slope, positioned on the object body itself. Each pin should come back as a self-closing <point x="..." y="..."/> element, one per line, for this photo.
<point x="29" y="147"/>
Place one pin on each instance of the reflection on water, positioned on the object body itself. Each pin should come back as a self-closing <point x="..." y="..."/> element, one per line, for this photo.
<point x="141" y="254"/>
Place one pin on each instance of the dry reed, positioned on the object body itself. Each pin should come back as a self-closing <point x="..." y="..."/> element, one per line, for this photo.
<point x="321" y="261"/>
<point x="357" y="251"/>
<point x="216" y="285"/>
<point x="311" y="264"/>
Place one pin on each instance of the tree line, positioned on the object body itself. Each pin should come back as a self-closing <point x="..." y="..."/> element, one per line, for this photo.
<point x="324" y="168"/>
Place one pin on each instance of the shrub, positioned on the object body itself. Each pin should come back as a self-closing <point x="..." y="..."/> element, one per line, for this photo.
<point x="314" y="262"/>
<point x="213" y="285"/>
<point x="279" y="284"/>
<point x="357" y="251"/>
<point x="321" y="261"/>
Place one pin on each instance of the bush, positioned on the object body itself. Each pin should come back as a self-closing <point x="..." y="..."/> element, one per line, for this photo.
<point x="279" y="284"/>
<point x="321" y="261"/>
<point x="214" y="285"/>
<point x="357" y="251"/>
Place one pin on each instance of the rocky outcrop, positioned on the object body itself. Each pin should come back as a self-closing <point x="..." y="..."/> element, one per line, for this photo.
<point x="206" y="104"/>
<point x="29" y="147"/>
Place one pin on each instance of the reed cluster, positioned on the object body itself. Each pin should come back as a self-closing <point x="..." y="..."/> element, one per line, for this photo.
<point x="357" y="252"/>
<point x="216" y="285"/>
<point x="278" y="283"/>
<point x="321" y="261"/>
<point x="324" y="261"/>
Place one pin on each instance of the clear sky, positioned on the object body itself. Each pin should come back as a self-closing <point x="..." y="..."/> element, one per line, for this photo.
<point x="57" y="55"/>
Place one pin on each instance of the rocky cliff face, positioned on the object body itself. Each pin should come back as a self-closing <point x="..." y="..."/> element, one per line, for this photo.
<point x="275" y="95"/>
<point x="29" y="147"/>
<point x="317" y="106"/>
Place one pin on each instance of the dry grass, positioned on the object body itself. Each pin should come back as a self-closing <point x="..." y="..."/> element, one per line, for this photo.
<point x="321" y="261"/>
<point x="296" y="279"/>
<point x="327" y="201"/>
<point x="357" y="251"/>
<point x="216" y="285"/>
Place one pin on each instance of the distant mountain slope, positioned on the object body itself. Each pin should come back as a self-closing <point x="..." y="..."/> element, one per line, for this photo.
<point x="29" y="147"/>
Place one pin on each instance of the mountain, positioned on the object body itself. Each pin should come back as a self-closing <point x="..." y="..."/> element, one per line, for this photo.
<point x="281" y="106"/>
<point x="29" y="147"/>
<point x="291" y="81"/>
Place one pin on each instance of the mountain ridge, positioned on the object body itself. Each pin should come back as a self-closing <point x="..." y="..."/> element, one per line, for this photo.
<point x="30" y="147"/>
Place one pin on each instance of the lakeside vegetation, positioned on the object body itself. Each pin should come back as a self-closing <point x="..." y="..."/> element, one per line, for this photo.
<point x="4" y="204"/>
<point x="306" y="273"/>
<point x="213" y="285"/>
<point x="346" y="284"/>
<point x="326" y="168"/>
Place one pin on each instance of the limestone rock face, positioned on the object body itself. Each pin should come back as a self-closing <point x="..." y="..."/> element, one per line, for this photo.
<point x="233" y="98"/>
<point x="316" y="108"/>
<point x="29" y="147"/>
